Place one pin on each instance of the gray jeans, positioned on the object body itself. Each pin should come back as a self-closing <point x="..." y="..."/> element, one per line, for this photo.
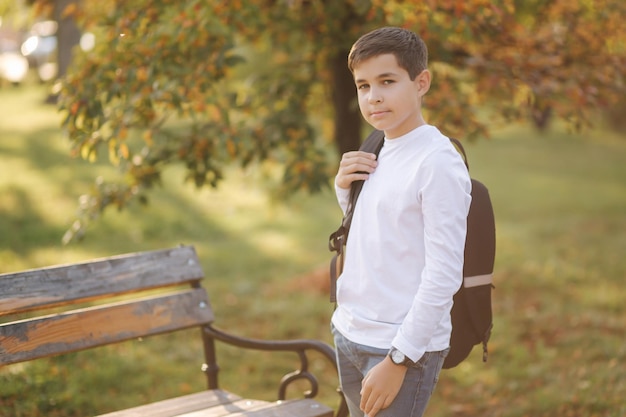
<point x="355" y="360"/>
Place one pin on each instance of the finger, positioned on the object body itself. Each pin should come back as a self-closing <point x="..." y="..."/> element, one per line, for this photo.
<point x="372" y="409"/>
<point x="357" y="165"/>
<point x="344" y="181"/>
<point x="359" y="154"/>
<point x="365" y="395"/>
<point x="361" y="159"/>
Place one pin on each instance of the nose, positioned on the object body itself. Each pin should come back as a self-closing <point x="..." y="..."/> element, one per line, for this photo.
<point x="375" y="97"/>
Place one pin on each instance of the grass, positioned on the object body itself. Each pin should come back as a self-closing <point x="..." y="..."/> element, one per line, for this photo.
<point x="558" y="343"/>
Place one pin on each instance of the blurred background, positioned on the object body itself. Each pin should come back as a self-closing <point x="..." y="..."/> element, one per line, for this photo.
<point x="128" y="126"/>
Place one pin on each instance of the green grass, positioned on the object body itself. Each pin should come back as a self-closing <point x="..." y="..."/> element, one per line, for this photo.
<point x="560" y="321"/>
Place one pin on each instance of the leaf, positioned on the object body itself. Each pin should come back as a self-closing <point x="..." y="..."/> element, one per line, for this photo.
<point x="70" y="10"/>
<point x="124" y="151"/>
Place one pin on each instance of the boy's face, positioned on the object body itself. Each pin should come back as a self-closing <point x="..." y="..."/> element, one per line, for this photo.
<point x="389" y="100"/>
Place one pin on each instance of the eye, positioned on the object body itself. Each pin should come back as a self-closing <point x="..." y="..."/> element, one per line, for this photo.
<point x="387" y="82"/>
<point x="362" y="86"/>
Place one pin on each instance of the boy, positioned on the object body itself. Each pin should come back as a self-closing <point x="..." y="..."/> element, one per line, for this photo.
<point x="404" y="254"/>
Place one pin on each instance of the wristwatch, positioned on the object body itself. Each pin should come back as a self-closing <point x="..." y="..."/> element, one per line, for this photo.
<point x="399" y="358"/>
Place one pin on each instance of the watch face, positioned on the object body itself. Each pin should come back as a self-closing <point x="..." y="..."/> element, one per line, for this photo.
<point x="397" y="357"/>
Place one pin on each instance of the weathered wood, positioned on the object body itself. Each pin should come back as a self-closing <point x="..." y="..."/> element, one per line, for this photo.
<point x="96" y="326"/>
<point x="61" y="285"/>
<point x="180" y="405"/>
<point x="235" y="408"/>
<point x="291" y="408"/>
<point x="218" y="403"/>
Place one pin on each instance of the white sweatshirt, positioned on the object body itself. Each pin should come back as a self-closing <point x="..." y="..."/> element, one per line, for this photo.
<point x="404" y="255"/>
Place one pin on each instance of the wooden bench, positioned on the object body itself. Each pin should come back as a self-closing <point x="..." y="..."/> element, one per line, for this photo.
<point x="135" y="296"/>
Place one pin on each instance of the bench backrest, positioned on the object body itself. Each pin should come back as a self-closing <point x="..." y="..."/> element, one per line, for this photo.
<point x="61" y="309"/>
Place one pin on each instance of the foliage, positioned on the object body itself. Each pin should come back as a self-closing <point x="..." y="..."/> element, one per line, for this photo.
<point x="567" y="58"/>
<point x="154" y="93"/>
<point x="256" y="81"/>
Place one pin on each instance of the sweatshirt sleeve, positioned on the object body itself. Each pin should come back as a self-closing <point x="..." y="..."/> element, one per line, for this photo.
<point x="444" y="192"/>
<point x="343" y="197"/>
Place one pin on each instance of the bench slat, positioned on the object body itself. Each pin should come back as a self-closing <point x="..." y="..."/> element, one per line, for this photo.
<point x="291" y="408"/>
<point x="95" y="326"/>
<point x="241" y="407"/>
<point x="219" y="403"/>
<point x="61" y="285"/>
<point x="180" y="405"/>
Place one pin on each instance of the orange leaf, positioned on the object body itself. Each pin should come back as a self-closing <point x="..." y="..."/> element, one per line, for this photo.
<point x="70" y="10"/>
<point x="124" y="152"/>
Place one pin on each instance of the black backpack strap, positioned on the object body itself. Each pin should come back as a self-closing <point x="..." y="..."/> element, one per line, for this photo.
<point x="337" y="240"/>
<point x="459" y="147"/>
<point x="372" y="144"/>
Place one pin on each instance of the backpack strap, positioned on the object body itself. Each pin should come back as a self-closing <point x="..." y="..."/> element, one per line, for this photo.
<point x="459" y="147"/>
<point x="372" y="144"/>
<point x="337" y="240"/>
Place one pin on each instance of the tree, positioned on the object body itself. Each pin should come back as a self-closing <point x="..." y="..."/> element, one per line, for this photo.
<point x="249" y="81"/>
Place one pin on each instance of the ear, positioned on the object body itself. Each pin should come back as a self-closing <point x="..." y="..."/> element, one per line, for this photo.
<point x="422" y="82"/>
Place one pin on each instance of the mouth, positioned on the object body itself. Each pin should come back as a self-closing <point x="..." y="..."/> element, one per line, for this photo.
<point x="378" y="113"/>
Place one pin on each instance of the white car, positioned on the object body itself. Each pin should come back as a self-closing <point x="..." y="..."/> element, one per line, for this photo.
<point x="13" y="65"/>
<point x="40" y="49"/>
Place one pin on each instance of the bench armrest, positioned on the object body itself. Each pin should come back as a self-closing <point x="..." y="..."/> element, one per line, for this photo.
<point x="298" y="346"/>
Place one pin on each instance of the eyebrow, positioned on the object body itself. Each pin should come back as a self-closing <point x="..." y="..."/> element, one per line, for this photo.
<point x="378" y="77"/>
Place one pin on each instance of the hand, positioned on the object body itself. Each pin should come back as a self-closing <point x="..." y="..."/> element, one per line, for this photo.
<point x="354" y="166"/>
<point x="380" y="386"/>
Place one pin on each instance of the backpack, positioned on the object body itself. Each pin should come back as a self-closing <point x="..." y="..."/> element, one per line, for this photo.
<point x="471" y="313"/>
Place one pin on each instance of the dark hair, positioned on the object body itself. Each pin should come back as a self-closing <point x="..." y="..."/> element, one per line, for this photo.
<point x="409" y="49"/>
